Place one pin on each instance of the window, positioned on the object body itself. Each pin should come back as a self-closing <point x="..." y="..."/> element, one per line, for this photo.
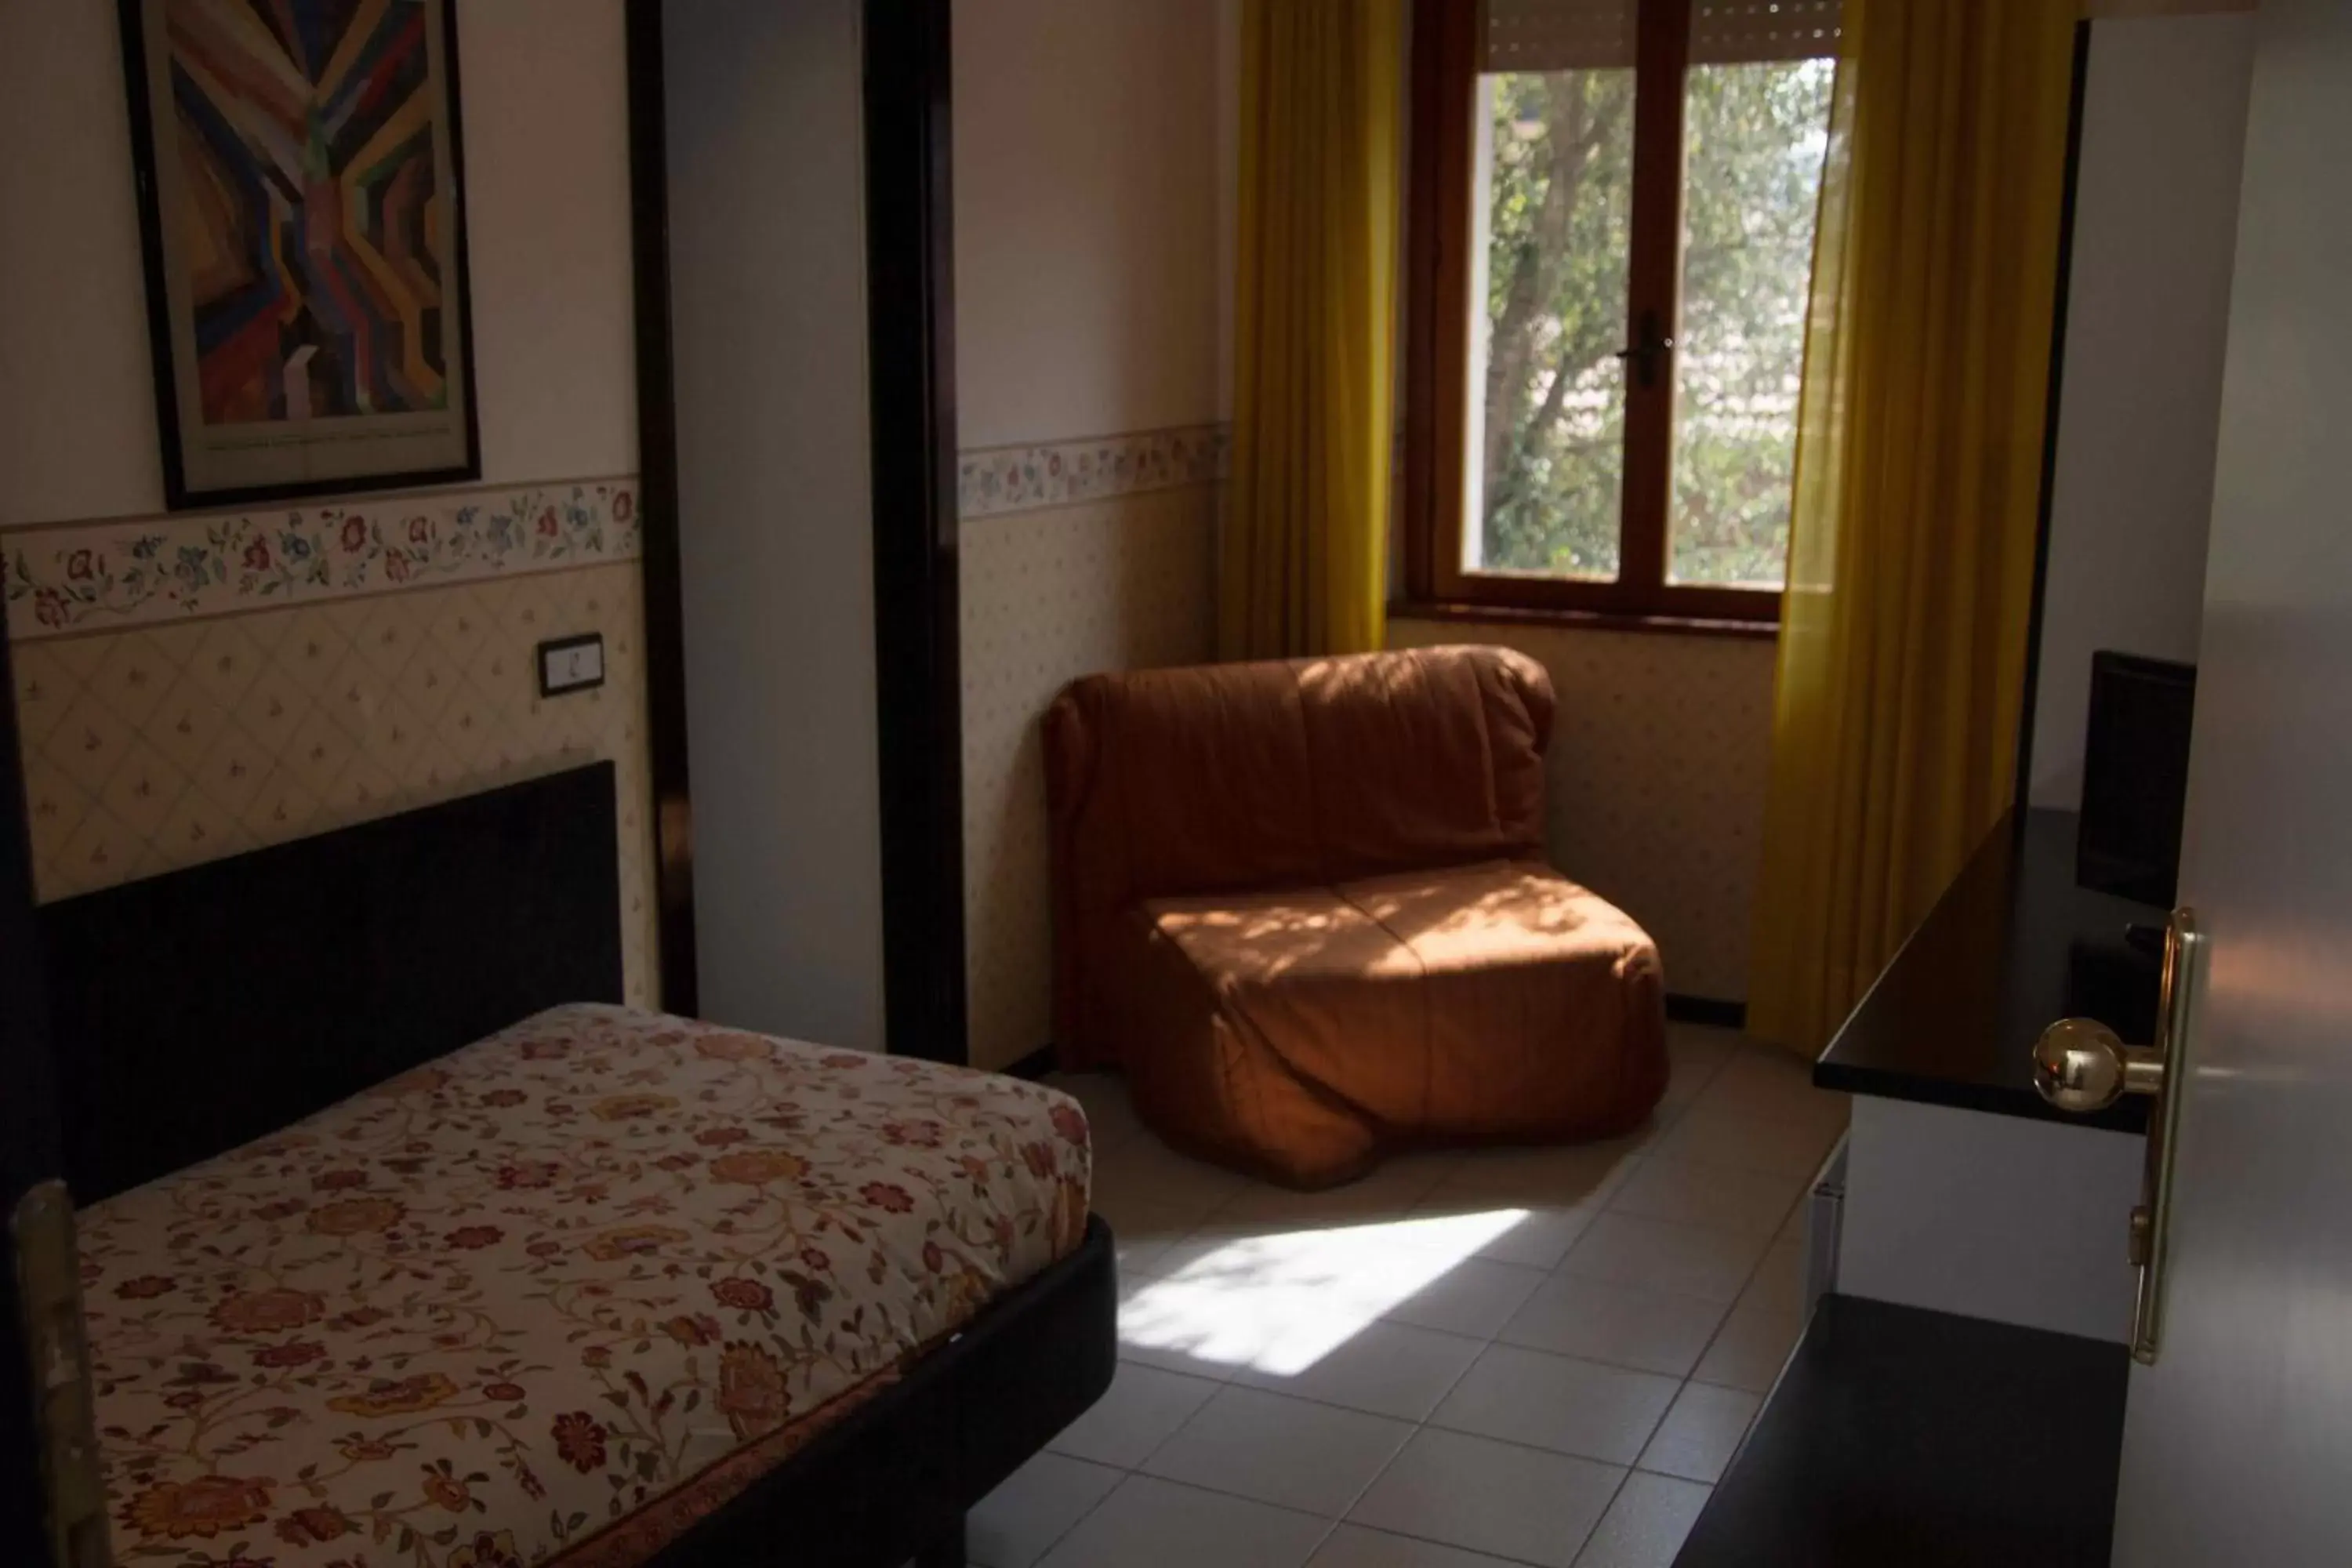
<point x="1611" y="229"/>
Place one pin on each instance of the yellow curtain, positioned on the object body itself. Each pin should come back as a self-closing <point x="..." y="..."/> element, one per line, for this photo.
<point x="1305" y="557"/>
<point x="1919" y="454"/>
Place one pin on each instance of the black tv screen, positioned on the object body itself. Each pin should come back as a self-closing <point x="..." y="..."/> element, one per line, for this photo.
<point x="2135" y="776"/>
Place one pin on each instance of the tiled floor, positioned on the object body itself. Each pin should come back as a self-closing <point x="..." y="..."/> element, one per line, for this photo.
<point x="1466" y="1361"/>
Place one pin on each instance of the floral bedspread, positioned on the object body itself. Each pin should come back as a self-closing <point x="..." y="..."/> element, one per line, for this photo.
<point x="551" y="1297"/>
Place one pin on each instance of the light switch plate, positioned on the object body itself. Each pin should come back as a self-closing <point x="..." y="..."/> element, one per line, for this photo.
<point x="572" y="664"/>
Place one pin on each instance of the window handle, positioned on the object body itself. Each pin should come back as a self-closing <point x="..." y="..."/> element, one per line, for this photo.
<point x="1649" y="346"/>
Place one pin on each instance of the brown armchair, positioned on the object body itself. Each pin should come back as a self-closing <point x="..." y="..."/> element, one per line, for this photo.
<point x="1305" y="906"/>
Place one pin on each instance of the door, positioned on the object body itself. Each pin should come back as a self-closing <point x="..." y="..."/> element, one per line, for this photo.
<point x="2238" y="1438"/>
<point x="774" y="512"/>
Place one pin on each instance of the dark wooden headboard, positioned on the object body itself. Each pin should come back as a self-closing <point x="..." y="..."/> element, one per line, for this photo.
<point x="200" y="1010"/>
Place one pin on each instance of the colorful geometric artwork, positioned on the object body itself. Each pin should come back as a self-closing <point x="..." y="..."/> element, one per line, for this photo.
<point x="307" y="135"/>
<point x="303" y="220"/>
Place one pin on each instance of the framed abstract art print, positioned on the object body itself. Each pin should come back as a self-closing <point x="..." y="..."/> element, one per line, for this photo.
<point x="302" y="210"/>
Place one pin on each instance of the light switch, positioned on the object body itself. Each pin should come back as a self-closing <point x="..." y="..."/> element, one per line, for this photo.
<point x="570" y="664"/>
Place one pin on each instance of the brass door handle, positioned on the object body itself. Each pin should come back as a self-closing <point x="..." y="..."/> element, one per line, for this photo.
<point x="2080" y="1066"/>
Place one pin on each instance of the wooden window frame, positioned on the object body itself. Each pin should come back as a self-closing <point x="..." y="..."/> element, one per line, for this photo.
<point x="1439" y="230"/>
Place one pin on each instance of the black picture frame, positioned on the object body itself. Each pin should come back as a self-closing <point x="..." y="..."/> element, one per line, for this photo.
<point x="179" y="494"/>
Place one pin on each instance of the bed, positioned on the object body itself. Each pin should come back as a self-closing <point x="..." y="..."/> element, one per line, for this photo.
<point x="430" y="1254"/>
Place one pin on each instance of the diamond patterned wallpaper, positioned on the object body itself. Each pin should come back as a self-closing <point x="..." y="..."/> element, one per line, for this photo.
<point x="1660" y="757"/>
<point x="1050" y="596"/>
<point x="152" y="749"/>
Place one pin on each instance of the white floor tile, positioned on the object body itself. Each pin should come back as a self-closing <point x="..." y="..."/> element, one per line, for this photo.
<point x="1139" y="1256"/>
<point x="1474" y="1296"/>
<point x="1750" y="1349"/>
<point x="1111" y="1117"/>
<point x="1705" y="1046"/>
<point x="1555" y="1402"/>
<point x="1553" y="1314"/>
<point x="1386" y="1190"/>
<point x="1143" y="1232"/>
<point x="1353" y="1546"/>
<point x="1152" y="1523"/>
<point x="1436" y="1164"/>
<point x="1145" y="1173"/>
<point x="1765" y="1080"/>
<point x="1646" y="1524"/>
<point x="1779" y="1284"/>
<point x="1656" y="1255"/>
<point x="1386" y="1369"/>
<point x="1490" y="1496"/>
<point x="1564" y="1175"/>
<point x="1532" y="1236"/>
<point x="1695" y="1053"/>
<point x="1538" y="1238"/>
<point x="1372" y="1248"/>
<point x="1749" y="1202"/>
<point x="1281" y="1297"/>
<point x="1700" y="1434"/>
<point x="1649" y="1331"/>
<point x="1015" y="1525"/>
<point x="1233" y="1235"/>
<point x="1315" y="1457"/>
<point x="1727" y="1135"/>
<point x="1150" y="1336"/>
<point x="1142" y="1409"/>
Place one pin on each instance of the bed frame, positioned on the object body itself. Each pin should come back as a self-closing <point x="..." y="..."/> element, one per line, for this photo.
<point x="199" y="1010"/>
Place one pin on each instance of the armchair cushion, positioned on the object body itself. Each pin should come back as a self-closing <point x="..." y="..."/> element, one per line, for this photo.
<point x="1299" y="1035"/>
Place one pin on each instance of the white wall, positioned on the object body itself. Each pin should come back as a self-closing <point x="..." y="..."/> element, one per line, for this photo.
<point x="767" y="250"/>
<point x="546" y="167"/>
<point x="1095" y="146"/>
<point x="1089" y="185"/>
<point x="2147" y="316"/>
<point x="1229" y="180"/>
<point x="80" y="436"/>
<point x="545" y="118"/>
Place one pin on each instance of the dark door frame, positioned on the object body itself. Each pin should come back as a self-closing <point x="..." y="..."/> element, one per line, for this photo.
<point x="2022" y="789"/>
<point x="672" y="800"/>
<point x="28" y="1138"/>
<point x="917" y="621"/>
<point x="910" y="311"/>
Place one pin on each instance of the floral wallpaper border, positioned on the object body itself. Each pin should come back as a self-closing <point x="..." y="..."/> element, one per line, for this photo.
<point x="995" y="480"/>
<point x="83" y="577"/>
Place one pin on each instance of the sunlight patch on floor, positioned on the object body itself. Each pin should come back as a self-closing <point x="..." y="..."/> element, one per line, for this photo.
<point x="1282" y="1301"/>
